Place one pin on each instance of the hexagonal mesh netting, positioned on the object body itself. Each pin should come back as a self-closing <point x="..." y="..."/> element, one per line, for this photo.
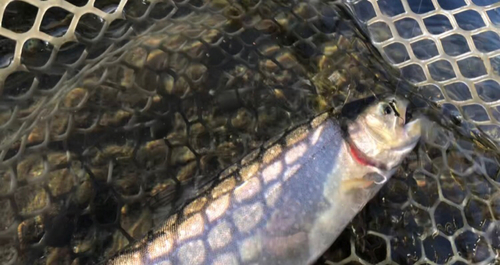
<point x="449" y="49"/>
<point x="112" y="111"/>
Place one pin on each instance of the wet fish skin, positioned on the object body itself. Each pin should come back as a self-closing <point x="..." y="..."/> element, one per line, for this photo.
<point x="287" y="202"/>
<point x="386" y="137"/>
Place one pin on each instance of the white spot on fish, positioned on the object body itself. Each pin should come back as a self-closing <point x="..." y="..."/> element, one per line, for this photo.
<point x="272" y="171"/>
<point x="290" y="172"/>
<point x="226" y="259"/>
<point x="247" y="190"/>
<point x="272" y="194"/>
<point x="316" y="135"/>
<point x="251" y="248"/>
<point x="217" y="208"/>
<point x="248" y="216"/>
<point x="295" y="153"/>
<point x="161" y="246"/>
<point x="192" y="253"/>
<point x="191" y="227"/>
<point x="220" y="235"/>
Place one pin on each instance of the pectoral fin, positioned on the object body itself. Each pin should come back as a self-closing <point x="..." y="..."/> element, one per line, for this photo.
<point x="363" y="183"/>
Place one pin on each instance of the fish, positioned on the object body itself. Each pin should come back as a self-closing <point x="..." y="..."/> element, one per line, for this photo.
<point x="287" y="202"/>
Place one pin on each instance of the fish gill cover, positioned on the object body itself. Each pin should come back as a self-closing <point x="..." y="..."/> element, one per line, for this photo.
<point x="115" y="113"/>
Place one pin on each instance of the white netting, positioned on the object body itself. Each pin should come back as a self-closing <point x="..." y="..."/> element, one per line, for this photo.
<point x="110" y="109"/>
<point x="449" y="49"/>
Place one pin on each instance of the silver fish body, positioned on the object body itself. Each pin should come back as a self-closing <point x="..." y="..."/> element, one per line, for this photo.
<point x="286" y="203"/>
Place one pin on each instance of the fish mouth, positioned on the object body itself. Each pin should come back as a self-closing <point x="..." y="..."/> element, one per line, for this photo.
<point x="413" y="130"/>
<point x="412" y="127"/>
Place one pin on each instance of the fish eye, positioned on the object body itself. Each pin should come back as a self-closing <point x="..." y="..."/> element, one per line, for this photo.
<point x="386" y="109"/>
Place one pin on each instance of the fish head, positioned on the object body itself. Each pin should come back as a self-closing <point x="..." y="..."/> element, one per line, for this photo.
<point x="384" y="131"/>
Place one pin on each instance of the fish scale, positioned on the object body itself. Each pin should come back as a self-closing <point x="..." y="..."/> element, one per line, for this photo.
<point x="113" y="132"/>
